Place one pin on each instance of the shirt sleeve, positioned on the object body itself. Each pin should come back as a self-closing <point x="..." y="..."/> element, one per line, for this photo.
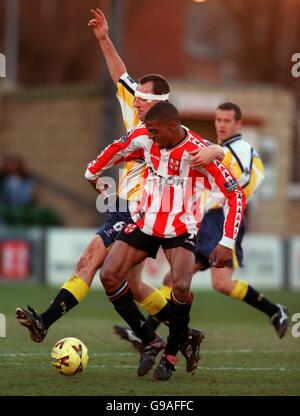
<point x="245" y="164"/>
<point x="219" y="176"/>
<point x="126" y="87"/>
<point x="127" y="147"/>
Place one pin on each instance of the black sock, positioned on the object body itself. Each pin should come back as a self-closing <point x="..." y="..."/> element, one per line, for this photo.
<point x="164" y="315"/>
<point x="178" y="330"/>
<point x="153" y="322"/>
<point x="258" y="300"/>
<point x="124" y="304"/>
<point x="63" y="302"/>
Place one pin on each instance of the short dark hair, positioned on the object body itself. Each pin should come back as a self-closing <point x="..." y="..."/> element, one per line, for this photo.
<point x="160" y="84"/>
<point x="164" y="111"/>
<point x="231" y="106"/>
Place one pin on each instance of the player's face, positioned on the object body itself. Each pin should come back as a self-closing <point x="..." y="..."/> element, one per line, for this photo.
<point x="163" y="133"/>
<point x="141" y="105"/>
<point x="226" y="124"/>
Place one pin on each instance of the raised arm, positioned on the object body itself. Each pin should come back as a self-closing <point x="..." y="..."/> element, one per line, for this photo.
<point x="100" y="27"/>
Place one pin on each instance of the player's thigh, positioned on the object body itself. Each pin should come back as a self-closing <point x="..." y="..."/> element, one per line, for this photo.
<point x="120" y="259"/>
<point x="210" y="233"/>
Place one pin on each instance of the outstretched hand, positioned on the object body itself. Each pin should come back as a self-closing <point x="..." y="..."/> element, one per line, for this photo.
<point x="99" y="24"/>
<point x="221" y="257"/>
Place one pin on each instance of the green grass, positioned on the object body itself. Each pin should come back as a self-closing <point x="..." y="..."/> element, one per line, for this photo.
<point x="240" y="356"/>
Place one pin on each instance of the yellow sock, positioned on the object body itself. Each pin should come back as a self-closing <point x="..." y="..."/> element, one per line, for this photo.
<point x="166" y="291"/>
<point x="77" y="287"/>
<point x="154" y="302"/>
<point x="240" y="289"/>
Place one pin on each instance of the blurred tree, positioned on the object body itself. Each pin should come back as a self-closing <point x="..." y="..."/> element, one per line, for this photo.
<point x="249" y="40"/>
<point x="269" y="33"/>
<point x="55" y="44"/>
<point x="257" y="37"/>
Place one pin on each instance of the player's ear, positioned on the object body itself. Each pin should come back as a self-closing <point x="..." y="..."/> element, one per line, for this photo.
<point x="239" y="124"/>
<point x="173" y="124"/>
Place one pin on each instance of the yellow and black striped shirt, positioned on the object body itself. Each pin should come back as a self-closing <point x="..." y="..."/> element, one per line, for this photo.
<point x="131" y="182"/>
<point x="245" y="164"/>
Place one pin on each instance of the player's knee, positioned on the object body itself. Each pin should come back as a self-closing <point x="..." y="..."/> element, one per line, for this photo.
<point x="109" y="277"/>
<point x="181" y="290"/>
<point x="221" y="286"/>
<point x="106" y="275"/>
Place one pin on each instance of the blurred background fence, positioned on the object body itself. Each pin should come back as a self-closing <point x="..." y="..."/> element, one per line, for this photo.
<point x="48" y="256"/>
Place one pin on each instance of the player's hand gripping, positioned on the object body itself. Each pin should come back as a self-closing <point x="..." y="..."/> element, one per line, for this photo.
<point x="221" y="256"/>
<point x="99" y="24"/>
<point x="205" y="155"/>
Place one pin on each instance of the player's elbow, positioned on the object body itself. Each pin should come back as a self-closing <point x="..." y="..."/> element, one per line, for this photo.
<point x="89" y="176"/>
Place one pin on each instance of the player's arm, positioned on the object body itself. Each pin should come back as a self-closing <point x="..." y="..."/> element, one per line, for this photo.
<point x="205" y="155"/>
<point x="100" y="27"/>
<point x="235" y="202"/>
<point x="127" y="147"/>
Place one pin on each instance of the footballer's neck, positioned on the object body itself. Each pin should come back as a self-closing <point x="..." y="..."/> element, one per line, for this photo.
<point x="181" y="136"/>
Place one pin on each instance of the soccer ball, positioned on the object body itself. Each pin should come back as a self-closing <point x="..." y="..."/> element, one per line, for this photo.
<point x="69" y="356"/>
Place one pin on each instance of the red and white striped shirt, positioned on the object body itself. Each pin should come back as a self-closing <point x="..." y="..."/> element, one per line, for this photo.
<point x="170" y="202"/>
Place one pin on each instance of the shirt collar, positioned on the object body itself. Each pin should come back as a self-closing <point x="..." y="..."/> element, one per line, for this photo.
<point x="232" y="139"/>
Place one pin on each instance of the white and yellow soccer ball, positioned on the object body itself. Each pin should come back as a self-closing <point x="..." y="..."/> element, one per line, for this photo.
<point x="69" y="356"/>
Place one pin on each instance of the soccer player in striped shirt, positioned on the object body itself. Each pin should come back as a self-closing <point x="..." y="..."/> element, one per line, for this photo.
<point x="168" y="216"/>
<point x="135" y="100"/>
<point x="245" y="163"/>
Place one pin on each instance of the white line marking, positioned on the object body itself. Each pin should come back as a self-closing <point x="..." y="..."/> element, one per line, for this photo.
<point x="124" y="367"/>
<point x="121" y="354"/>
<point x="124" y="354"/>
<point x="207" y="368"/>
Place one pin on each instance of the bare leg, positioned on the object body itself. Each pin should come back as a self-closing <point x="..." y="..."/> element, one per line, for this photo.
<point x="139" y="288"/>
<point x="222" y="280"/>
<point x="182" y="265"/>
<point x="91" y="260"/>
<point x="77" y="286"/>
<point x="119" y="261"/>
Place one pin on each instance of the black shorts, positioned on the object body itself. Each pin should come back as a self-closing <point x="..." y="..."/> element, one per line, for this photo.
<point x="133" y="236"/>
<point x="211" y="232"/>
<point x="114" y="223"/>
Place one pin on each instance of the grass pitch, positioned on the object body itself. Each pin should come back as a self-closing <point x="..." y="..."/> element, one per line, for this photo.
<point x="241" y="355"/>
